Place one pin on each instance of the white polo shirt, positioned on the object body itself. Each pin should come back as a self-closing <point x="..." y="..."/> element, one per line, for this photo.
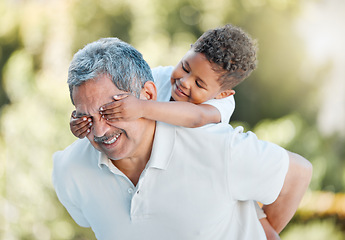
<point x="196" y="185"/>
<point x="225" y="106"/>
<point x="161" y="75"/>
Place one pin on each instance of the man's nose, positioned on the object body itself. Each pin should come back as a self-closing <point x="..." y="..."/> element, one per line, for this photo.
<point x="99" y="127"/>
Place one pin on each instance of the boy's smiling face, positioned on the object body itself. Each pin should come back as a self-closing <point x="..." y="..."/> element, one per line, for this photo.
<point x="193" y="80"/>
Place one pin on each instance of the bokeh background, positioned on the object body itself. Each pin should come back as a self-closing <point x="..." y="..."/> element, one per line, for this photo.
<point x="295" y="98"/>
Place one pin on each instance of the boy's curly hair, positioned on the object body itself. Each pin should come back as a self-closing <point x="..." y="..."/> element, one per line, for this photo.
<point x="231" y="51"/>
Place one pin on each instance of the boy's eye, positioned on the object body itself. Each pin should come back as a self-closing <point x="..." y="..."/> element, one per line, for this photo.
<point x="184" y="69"/>
<point x="198" y="84"/>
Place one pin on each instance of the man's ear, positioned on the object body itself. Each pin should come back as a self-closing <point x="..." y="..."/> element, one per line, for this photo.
<point x="225" y="93"/>
<point x="149" y="91"/>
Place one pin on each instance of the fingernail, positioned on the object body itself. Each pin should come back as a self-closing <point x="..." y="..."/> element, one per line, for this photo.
<point x="90" y="124"/>
<point x="101" y="108"/>
<point x="100" y="113"/>
<point x="89" y="120"/>
<point x="84" y="118"/>
<point x="88" y="130"/>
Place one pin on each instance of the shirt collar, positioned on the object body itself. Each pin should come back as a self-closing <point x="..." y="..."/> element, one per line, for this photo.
<point x="102" y="160"/>
<point x="163" y="145"/>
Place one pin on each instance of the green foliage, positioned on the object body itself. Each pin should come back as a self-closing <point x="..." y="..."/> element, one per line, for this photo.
<point x="93" y="20"/>
<point x="294" y="133"/>
<point x="279" y="101"/>
<point x="316" y="230"/>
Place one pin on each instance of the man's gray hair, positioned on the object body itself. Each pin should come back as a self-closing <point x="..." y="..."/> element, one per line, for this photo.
<point x="113" y="57"/>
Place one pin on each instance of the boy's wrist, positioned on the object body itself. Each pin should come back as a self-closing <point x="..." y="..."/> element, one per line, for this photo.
<point x="143" y="104"/>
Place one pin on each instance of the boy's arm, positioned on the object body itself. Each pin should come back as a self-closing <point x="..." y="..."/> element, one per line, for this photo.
<point x="177" y="113"/>
<point x="271" y="234"/>
<point x="297" y="180"/>
<point x="183" y="114"/>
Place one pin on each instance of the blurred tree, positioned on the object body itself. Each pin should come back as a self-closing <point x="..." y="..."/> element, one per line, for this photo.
<point x="179" y="16"/>
<point x="316" y="230"/>
<point x="9" y="42"/>
<point x="95" y="19"/>
<point x="275" y="89"/>
<point x="6" y="49"/>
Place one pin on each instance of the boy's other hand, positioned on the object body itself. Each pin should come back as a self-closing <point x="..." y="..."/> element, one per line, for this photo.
<point x="80" y="127"/>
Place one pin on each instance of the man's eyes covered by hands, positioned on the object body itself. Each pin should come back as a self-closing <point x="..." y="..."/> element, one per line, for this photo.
<point x="125" y="107"/>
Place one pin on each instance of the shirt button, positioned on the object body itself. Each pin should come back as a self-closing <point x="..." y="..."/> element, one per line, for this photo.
<point x="130" y="190"/>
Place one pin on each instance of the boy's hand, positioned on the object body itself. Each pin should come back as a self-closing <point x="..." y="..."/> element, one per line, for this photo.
<point x="271" y="234"/>
<point x="80" y="127"/>
<point x="126" y="107"/>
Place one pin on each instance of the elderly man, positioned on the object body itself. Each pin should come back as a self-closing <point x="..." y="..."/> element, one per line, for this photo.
<point x="143" y="179"/>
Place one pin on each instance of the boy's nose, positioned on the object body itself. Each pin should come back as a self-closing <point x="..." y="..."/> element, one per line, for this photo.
<point x="185" y="82"/>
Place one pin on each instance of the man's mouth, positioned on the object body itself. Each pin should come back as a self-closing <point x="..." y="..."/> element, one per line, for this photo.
<point x="107" y="140"/>
<point x="112" y="139"/>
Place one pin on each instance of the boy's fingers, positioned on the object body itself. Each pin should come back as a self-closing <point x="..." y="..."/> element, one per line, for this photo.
<point x="114" y="104"/>
<point x="82" y="135"/>
<point x="114" y="119"/>
<point x="82" y="125"/>
<point x="113" y="116"/>
<point x="110" y="111"/>
<point x="110" y="105"/>
<point x="83" y="131"/>
<point x="121" y="96"/>
<point x="76" y="121"/>
<point x="82" y="121"/>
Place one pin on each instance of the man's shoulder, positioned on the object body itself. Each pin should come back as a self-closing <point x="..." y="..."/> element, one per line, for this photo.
<point x="162" y="73"/>
<point x="218" y="129"/>
<point x="80" y="149"/>
<point x="216" y="132"/>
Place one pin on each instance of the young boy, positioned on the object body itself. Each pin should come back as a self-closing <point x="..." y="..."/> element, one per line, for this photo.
<point x="200" y="90"/>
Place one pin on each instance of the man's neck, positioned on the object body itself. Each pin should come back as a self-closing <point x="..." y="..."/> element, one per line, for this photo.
<point x="133" y="166"/>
